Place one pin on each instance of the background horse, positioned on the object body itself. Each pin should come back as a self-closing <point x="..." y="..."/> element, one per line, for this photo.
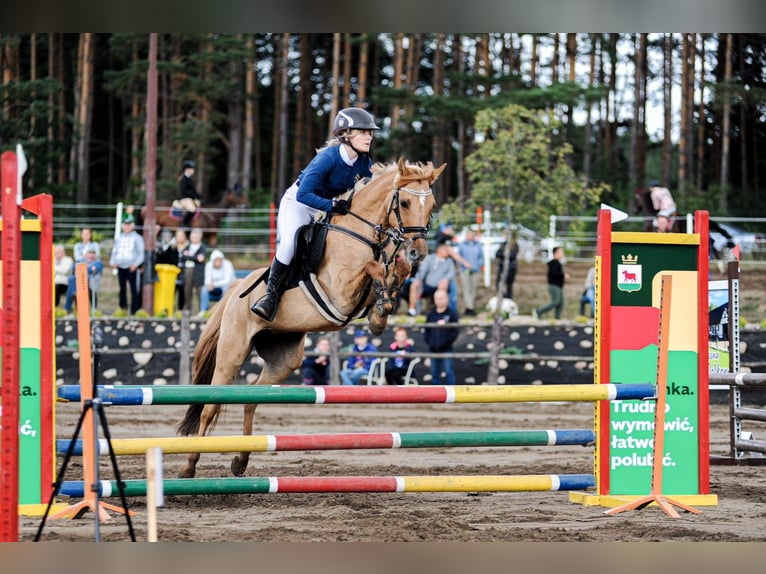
<point x="360" y="267"/>
<point x="208" y="217"/>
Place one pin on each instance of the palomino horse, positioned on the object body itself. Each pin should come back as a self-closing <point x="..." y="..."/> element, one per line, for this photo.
<point x="208" y="216"/>
<point x="360" y="268"/>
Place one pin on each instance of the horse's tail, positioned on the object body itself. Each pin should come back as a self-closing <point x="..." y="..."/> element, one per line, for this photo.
<point x="203" y="366"/>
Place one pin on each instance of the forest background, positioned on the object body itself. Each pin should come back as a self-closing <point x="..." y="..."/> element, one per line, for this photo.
<point x="251" y="109"/>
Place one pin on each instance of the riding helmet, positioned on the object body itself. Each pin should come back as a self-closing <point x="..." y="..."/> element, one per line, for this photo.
<point x="189" y="164"/>
<point x="353" y="118"/>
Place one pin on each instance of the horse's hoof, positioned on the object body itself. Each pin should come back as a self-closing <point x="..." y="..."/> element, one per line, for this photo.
<point x="237" y="467"/>
<point x="186" y="473"/>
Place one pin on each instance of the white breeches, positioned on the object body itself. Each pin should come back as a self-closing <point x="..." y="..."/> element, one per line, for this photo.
<point x="292" y="215"/>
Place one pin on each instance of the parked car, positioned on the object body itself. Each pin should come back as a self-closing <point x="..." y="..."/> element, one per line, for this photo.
<point x="749" y="243"/>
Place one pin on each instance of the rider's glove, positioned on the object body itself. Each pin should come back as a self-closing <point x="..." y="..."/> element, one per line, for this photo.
<point x="340" y="206"/>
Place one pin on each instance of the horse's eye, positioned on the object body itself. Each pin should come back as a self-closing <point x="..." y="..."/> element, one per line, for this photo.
<point x="404" y="204"/>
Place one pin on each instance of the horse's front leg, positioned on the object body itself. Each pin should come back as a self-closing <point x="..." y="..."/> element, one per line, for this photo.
<point x="401" y="271"/>
<point x="377" y="273"/>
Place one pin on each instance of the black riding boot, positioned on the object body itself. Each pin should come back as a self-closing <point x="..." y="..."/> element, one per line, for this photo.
<point x="187" y="222"/>
<point x="266" y="306"/>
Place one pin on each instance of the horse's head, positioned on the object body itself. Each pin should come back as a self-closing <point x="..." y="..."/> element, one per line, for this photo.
<point x="411" y="205"/>
<point x="642" y="202"/>
<point x="235" y="198"/>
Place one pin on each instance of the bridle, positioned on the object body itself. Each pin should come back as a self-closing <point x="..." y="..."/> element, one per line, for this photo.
<point x="384" y="233"/>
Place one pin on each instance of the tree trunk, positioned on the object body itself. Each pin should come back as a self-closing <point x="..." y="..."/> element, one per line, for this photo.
<point x="336" y="41"/>
<point x="84" y="116"/>
<point x="136" y="133"/>
<point x="667" y="93"/>
<point x="701" y="119"/>
<point x="587" y="147"/>
<point x="247" y="147"/>
<point x="437" y="142"/>
<point x="398" y="69"/>
<point x="636" y="127"/>
<point x="533" y="63"/>
<point x="364" y="51"/>
<point x="346" y="70"/>
<point x="571" y="59"/>
<point x="302" y="106"/>
<point x="283" y="126"/>
<point x="723" y="202"/>
<point x="51" y="108"/>
<point x="743" y="131"/>
<point x="555" y="59"/>
<point x="235" y="115"/>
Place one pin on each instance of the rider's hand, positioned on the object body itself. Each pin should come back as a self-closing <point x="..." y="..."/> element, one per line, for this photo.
<point x="340" y="206"/>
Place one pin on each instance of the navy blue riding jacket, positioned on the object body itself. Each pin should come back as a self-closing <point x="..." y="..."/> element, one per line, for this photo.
<point x="328" y="176"/>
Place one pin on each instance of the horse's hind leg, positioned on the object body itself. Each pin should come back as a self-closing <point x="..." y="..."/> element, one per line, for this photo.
<point x="282" y="353"/>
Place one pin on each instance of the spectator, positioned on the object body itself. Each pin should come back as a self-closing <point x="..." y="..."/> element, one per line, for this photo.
<point x="588" y="296"/>
<point x="472" y="252"/>
<point x="194" y="257"/>
<point x="316" y="370"/>
<point x="510" y="275"/>
<point x="396" y="367"/>
<point x="435" y="272"/>
<point x="166" y="252"/>
<point x="556" y="278"/>
<point x="127" y="256"/>
<point x="63" y="267"/>
<point x="80" y="249"/>
<point x="441" y="339"/>
<point x="359" y="365"/>
<point x="181" y="243"/>
<point x="219" y="274"/>
<point x="446" y="236"/>
<point x="95" y="271"/>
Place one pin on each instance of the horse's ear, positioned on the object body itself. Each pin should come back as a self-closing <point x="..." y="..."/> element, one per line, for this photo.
<point x="438" y="171"/>
<point x="402" y="163"/>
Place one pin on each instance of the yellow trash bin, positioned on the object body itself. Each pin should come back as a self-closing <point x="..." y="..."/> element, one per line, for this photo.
<point x="165" y="289"/>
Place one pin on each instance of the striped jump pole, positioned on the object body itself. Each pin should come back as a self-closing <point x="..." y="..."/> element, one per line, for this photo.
<point x="307" y="484"/>
<point x="341" y="394"/>
<point x="338" y="441"/>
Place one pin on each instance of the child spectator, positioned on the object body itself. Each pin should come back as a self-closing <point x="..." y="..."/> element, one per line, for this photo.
<point x="219" y="274"/>
<point x="359" y="365"/>
<point x="95" y="271"/>
<point x="316" y="370"/>
<point x="440" y="339"/>
<point x="396" y="368"/>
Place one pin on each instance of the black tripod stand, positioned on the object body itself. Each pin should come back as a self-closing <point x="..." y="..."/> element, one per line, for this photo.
<point x="96" y="407"/>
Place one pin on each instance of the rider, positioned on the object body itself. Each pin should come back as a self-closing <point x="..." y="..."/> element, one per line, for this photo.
<point x="187" y="194"/>
<point x="662" y="201"/>
<point x="335" y="169"/>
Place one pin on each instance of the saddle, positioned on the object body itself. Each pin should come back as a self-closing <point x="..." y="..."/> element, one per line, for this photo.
<point x="178" y="213"/>
<point x="310" y="244"/>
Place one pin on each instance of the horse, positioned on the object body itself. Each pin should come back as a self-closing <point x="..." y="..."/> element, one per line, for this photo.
<point x="360" y="273"/>
<point x="208" y="216"/>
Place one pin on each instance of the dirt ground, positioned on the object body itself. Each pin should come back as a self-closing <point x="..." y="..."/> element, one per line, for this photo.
<point x="412" y="517"/>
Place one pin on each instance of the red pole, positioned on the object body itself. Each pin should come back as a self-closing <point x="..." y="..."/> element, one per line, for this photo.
<point x="11" y="371"/>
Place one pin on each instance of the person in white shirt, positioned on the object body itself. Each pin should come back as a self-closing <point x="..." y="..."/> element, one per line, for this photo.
<point x="63" y="267"/>
<point x="219" y="274"/>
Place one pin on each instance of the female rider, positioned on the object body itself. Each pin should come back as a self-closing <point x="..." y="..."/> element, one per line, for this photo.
<point x="334" y="170"/>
